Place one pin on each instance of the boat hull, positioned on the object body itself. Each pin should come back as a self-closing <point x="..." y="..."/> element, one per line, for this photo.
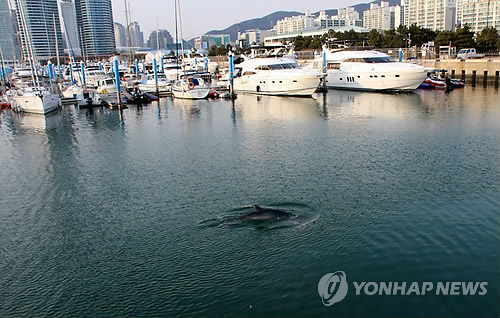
<point x="375" y="81"/>
<point x="36" y="104"/>
<point x="293" y="85"/>
<point x="197" y="93"/>
<point x="151" y="88"/>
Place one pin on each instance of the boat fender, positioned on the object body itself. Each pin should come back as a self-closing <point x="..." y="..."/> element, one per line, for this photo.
<point x="190" y="85"/>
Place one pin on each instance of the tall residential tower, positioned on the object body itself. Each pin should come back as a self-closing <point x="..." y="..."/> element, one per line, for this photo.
<point x="7" y="35"/>
<point x="38" y="21"/>
<point x="95" y="23"/>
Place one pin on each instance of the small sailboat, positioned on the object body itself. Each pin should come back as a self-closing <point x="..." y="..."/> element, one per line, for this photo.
<point x="37" y="100"/>
<point x="34" y="97"/>
<point x="190" y="87"/>
<point x="148" y="84"/>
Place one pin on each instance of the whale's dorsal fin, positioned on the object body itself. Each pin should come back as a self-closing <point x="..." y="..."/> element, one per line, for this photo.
<point x="257" y="207"/>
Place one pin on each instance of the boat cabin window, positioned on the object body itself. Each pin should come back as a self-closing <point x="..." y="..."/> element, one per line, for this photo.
<point x="248" y="73"/>
<point x="262" y="67"/>
<point x="278" y="66"/>
<point x="109" y="82"/>
<point x="334" y="66"/>
<point x="382" y="59"/>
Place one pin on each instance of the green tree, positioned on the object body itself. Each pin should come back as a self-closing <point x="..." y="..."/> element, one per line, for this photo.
<point x="419" y="35"/>
<point x="375" y="39"/>
<point x="316" y="43"/>
<point x="444" y="38"/>
<point x="488" y="40"/>
<point x="298" y="43"/>
<point x="393" y="39"/>
<point x="464" y="38"/>
<point x="212" y="51"/>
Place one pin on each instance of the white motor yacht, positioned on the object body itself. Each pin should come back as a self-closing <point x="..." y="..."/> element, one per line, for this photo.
<point x="369" y="71"/>
<point x="275" y="76"/>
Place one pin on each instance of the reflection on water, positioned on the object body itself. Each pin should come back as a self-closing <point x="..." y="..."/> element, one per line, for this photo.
<point x="37" y="122"/>
<point x="254" y="107"/>
<point x="109" y="213"/>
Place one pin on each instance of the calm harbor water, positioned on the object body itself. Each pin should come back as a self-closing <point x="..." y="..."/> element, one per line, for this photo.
<point x="109" y="214"/>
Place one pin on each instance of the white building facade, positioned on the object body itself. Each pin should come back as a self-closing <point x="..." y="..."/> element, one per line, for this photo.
<point x="345" y="17"/>
<point x="478" y="14"/>
<point x="432" y="14"/>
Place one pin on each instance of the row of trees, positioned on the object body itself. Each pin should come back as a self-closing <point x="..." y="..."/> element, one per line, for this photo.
<point x="488" y="40"/>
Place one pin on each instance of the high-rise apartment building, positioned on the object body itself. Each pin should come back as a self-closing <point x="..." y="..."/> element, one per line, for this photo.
<point x="432" y="14"/>
<point x="136" y="35"/>
<point x="38" y="21"/>
<point x="158" y="39"/>
<point x="95" y="24"/>
<point x="120" y="35"/>
<point x="7" y="35"/>
<point x="70" y="27"/>
<point x="479" y="14"/>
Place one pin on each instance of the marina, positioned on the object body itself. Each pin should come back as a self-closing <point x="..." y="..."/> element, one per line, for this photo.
<point x="131" y="207"/>
<point x="230" y="161"/>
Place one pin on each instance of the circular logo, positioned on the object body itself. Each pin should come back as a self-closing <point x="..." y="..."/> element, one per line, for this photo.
<point x="332" y="288"/>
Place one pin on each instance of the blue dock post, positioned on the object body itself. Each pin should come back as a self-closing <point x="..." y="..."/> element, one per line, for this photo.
<point x="82" y="67"/>
<point x="71" y="73"/>
<point x="100" y="66"/>
<point x="144" y="67"/>
<point x="51" y="75"/>
<point x="400" y="54"/>
<point x="161" y="61"/>
<point x="324" y="69"/>
<point x="205" y="59"/>
<point x="156" y="74"/>
<point x="231" y="72"/>
<point x="136" y="68"/>
<point x="117" y="80"/>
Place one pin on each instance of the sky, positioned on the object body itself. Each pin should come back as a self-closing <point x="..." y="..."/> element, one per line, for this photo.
<point x="201" y="16"/>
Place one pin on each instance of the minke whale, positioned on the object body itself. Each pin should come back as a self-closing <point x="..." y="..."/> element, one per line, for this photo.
<point x="263" y="214"/>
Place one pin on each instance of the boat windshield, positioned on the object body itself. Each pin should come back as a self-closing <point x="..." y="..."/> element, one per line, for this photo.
<point x="382" y="59"/>
<point x="278" y="66"/>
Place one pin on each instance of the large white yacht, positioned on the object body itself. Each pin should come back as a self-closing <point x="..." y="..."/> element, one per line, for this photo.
<point x="274" y="75"/>
<point x="369" y="71"/>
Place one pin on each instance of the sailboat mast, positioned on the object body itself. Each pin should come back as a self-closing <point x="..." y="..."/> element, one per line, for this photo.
<point x="55" y="35"/>
<point x="176" y="40"/>
<point x="180" y="27"/>
<point x="129" y="40"/>
<point x="29" y="51"/>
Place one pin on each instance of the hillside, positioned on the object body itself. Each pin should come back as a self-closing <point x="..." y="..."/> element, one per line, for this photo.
<point x="267" y="22"/>
<point x="264" y="23"/>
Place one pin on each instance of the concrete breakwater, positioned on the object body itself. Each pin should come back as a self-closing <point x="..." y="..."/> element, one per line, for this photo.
<point x="485" y="67"/>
